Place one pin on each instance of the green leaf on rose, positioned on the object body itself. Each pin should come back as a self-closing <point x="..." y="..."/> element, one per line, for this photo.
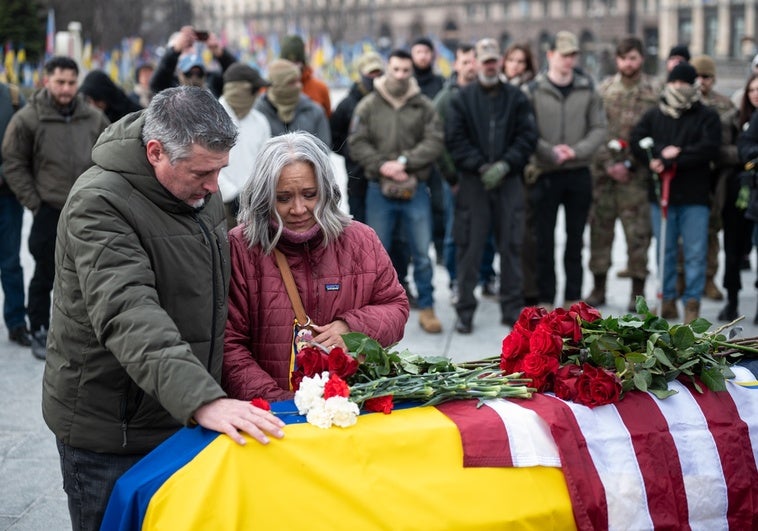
<point x="663" y="393"/>
<point x="642" y="380"/>
<point x="661" y="356"/>
<point x="700" y="325"/>
<point x="683" y="337"/>
<point x="713" y="378"/>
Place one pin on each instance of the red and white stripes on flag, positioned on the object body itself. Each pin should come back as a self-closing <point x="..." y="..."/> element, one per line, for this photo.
<point x="686" y="462"/>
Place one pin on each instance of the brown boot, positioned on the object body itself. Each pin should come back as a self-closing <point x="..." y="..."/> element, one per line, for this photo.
<point x="691" y="310"/>
<point x="429" y="322"/>
<point x="711" y="290"/>
<point x="597" y="296"/>
<point x="668" y="309"/>
<point x="638" y="288"/>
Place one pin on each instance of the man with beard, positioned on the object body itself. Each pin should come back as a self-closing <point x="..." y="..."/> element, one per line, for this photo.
<point x="620" y="181"/>
<point x="396" y="136"/>
<point x="46" y="146"/>
<point x="490" y="132"/>
<point x="686" y="139"/>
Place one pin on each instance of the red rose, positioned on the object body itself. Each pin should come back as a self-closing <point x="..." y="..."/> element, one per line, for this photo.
<point x="295" y="379"/>
<point x="341" y="364"/>
<point x="565" y="381"/>
<point x="336" y="386"/>
<point x="380" y="404"/>
<point x="586" y="312"/>
<point x="261" y="403"/>
<point x="596" y="387"/>
<point x="312" y="361"/>
<point x="545" y="341"/>
<point x="540" y="369"/>
<point x="511" y="365"/>
<point x="515" y="345"/>
<point x="564" y="323"/>
<point x="531" y="316"/>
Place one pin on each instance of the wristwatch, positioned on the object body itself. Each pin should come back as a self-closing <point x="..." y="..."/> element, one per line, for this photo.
<point x="402" y="159"/>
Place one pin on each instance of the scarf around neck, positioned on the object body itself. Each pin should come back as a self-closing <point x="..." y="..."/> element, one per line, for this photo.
<point x="239" y="95"/>
<point x="676" y="101"/>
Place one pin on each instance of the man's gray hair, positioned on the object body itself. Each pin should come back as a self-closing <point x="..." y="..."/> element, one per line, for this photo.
<point x="258" y="197"/>
<point x="182" y="116"/>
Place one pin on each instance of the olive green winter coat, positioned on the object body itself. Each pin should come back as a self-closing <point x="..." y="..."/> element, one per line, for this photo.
<point x="136" y="338"/>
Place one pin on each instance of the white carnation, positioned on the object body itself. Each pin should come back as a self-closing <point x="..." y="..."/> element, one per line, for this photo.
<point x="311" y="392"/>
<point x="343" y="412"/>
<point x="319" y="415"/>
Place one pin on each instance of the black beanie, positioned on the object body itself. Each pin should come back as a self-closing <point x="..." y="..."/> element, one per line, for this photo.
<point x="680" y="50"/>
<point x="683" y="72"/>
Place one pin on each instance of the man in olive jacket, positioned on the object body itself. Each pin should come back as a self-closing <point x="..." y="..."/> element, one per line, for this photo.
<point x="142" y="262"/>
<point x="396" y="136"/>
<point x="46" y="146"/>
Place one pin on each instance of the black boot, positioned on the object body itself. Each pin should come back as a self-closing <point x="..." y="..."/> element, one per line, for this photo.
<point x="729" y="312"/>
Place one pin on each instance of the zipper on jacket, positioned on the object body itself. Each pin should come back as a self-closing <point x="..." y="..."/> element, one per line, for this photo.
<point x="309" y="278"/>
<point x="214" y="294"/>
<point x="124" y="418"/>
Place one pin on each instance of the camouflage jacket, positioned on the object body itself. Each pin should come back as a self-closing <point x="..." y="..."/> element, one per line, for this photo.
<point x="728" y="156"/>
<point x="624" y="106"/>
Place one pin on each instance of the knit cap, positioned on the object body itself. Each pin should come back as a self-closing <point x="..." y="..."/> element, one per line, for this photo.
<point x="293" y="49"/>
<point x="682" y="72"/>
<point x="704" y="65"/>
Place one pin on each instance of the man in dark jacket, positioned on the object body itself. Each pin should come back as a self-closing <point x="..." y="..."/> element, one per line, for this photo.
<point x="11" y="219"/>
<point x="490" y="132"/>
<point x="370" y="66"/>
<point x="181" y="52"/>
<point x="142" y="263"/>
<point x="686" y="137"/>
<point x="46" y="146"/>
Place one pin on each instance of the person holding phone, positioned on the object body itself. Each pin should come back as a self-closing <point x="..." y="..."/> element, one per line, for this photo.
<point x="182" y="52"/>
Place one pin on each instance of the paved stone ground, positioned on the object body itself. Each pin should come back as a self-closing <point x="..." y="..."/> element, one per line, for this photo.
<point x="31" y="495"/>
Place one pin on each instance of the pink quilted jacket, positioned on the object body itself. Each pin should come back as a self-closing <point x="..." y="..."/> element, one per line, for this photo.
<point x="352" y="279"/>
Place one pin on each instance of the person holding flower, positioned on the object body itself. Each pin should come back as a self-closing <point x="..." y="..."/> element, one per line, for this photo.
<point x="344" y="278"/>
<point x="686" y="139"/>
<point x="619" y="181"/>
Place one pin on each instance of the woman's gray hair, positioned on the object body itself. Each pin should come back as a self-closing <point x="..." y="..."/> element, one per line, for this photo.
<point x="258" y="197"/>
<point x="182" y="116"/>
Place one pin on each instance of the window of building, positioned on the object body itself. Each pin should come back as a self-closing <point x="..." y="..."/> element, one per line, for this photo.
<point x="524" y="6"/>
<point x="566" y="7"/>
<point x="546" y="8"/>
<point x="736" y="31"/>
<point x="685" y="27"/>
<point x="711" y="30"/>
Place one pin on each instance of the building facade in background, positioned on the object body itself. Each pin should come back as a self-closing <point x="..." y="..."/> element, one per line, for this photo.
<point x="724" y="29"/>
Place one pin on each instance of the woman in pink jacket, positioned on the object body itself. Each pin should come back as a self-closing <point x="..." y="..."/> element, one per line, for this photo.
<point x="344" y="276"/>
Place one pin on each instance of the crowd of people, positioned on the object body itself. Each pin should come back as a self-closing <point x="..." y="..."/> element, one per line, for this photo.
<point x="193" y="247"/>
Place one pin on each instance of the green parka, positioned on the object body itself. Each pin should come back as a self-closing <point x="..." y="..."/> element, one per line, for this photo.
<point x="136" y="338"/>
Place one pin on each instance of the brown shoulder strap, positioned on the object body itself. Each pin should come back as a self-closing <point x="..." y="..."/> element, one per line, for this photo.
<point x="289" y="284"/>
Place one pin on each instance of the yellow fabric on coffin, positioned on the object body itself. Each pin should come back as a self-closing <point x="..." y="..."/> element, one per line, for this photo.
<point x="401" y="472"/>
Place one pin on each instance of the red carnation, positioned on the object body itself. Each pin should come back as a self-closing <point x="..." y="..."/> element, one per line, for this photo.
<point x="545" y="341"/>
<point x="597" y="387"/>
<point x="261" y="403"/>
<point x="312" y="361"/>
<point x="341" y="364"/>
<point x="336" y="386"/>
<point x="586" y="312"/>
<point x="531" y="316"/>
<point x="380" y="404"/>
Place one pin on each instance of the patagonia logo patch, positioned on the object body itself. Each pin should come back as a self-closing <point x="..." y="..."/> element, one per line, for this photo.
<point x="332" y="287"/>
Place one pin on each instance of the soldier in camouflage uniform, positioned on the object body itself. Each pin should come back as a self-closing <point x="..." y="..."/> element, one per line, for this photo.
<point x="706" y="73"/>
<point x="620" y="183"/>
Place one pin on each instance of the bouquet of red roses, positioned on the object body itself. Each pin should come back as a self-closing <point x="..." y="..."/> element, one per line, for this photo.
<point x="592" y="360"/>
